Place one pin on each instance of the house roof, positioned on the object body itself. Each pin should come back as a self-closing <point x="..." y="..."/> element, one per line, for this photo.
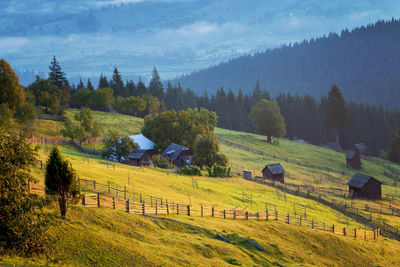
<point x="359" y="180"/>
<point x="275" y="168"/>
<point x="137" y="153"/>
<point x="173" y="151"/>
<point x="142" y="141"/>
<point x="350" y="154"/>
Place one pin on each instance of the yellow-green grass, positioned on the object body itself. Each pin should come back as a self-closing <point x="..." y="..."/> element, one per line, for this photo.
<point x="102" y="236"/>
<point x="223" y="193"/>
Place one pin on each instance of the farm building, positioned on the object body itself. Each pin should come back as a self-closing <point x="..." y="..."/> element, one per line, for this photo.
<point x="364" y="186"/>
<point x="353" y="160"/>
<point x="178" y="155"/>
<point x="144" y="153"/>
<point x="274" y="172"/>
<point x="247" y="174"/>
<point x="139" y="157"/>
<point x="360" y="148"/>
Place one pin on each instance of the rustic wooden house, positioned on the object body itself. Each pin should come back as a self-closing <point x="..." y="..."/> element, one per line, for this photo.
<point x="274" y="172"/>
<point x="361" y="148"/>
<point x="144" y="153"/>
<point x="364" y="186"/>
<point x="178" y="155"/>
<point x="139" y="157"/>
<point x="353" y="160"/>
<point x="247" y="174"/>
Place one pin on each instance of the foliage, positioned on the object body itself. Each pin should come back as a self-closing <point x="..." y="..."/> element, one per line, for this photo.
<point x="57" y="77"/>
<point x="60" y="180"/>
<point x="336" y="116"/>
<point x="87" y="127"/>
<point x="26" y="115"/>
<point x="189" y="171"/>
<point x="11" y="92"/>
<point x="5" y="116"/>
<point x="155" y="87"/>
<point x="131" y="105"/>
<point x="101" y="98"/>
<point x="118" y="147"/>
<point x="46" y="93"/>
<point x="160" y="162"/>
<point x="394" y="151"/>
<point x="218" y="171"/>
<point x="23" y="226"/>
<point x="207" y="152"/>
<point x="82" y="97"/>
<point x="185" y="127"/>
<point x="267" y="119"/>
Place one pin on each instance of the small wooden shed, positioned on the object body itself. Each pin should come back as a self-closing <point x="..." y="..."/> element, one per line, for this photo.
<point x="274" y="172"/>
<point x="353" y="160"/>
<point x="138" y="157"/>
<point x="178" y="155"/>
<point x="247" y="174"/>
<point x="364" y="186"/>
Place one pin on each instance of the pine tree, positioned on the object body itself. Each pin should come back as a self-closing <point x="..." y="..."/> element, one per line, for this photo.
<point x="89" y="85"/>
<point x="80" y="84"/>
<point x="117" y="84"/>
<point x="56" y="75"/>
<point x="60" y="180"/>
<point x="103" y="83"/>
<point x="131" y="88"/>
<point x="155" y="87"/>
<point x="336" y="116"/>
<point x="141" y="88"/>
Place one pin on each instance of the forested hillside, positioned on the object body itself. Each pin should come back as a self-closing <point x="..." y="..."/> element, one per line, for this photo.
<point x="362" y="62"/>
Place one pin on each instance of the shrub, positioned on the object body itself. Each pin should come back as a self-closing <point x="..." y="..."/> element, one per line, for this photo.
<point x="219" y="171"/>
<point x="189" y="171"/>
<point x="160" y="162"/>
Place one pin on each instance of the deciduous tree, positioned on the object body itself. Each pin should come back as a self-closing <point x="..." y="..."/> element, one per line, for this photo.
<point x="11" y="92"/>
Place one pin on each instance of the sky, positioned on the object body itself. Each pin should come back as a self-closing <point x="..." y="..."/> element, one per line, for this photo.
<point x="177" y="36"/>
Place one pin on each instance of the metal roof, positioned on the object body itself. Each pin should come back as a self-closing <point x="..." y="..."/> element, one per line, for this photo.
<point x="359" y="180"/>
<point x="142" y="141"/>
<point x="275" y="168"/>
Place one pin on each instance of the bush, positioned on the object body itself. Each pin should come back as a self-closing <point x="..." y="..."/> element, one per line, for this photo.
<point x="219" y="171"/>
<point x="189" y="171"/>
<point x="160" y="162"/>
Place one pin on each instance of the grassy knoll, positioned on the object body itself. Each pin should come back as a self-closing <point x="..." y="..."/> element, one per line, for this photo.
<point x="101" y="236"/>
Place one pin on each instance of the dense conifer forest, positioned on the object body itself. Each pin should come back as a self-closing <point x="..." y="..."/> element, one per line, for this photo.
<point x="363" y="62"/>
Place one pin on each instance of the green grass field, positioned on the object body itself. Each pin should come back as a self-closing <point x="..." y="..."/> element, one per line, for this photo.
<point x="106" y="237"/>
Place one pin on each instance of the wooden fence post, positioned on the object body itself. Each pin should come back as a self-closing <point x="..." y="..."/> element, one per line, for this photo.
<point x="276" y="215"/>
<point x="188" y="210"/>
<point x="333" y="228"/>
<point x="83" y="200"/>
<point x="266" y="214"/>
<point x="374" y="234"/>
<point x="258" y="216"/>
<point x="212" y="211"/>
<point x="247" y="215"/>
<point x="234" y="214"/>
<point x="355" y="232"/>
<point x="141" y="199"/>
<point x="151" y="200"/>
<point x="312" y="223"/>
<point x="124" y="191"/>
<point x="224" y="214"/>
<point x="108" y="184"/>
<point x="143" y="208"/>
<point x="94" y="184"/>
<point x="365" y="234"/>
<point x="127" y="206"/>
<point x="113" y="203"/>
<point x="166" y="203"/>
<point x="177" y="209"/>
<point x="156" y="208"/>
<point x="201" y="210"/>
<point x="29" y="186"/>
<point x="344" y="231"/>
<point x="98" y="200"/>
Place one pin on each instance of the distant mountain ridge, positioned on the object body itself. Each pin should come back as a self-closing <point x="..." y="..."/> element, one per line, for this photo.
<point x="363" y="62"/>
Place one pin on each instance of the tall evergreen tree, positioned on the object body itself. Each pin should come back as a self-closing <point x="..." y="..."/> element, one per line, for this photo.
<point x="103" y="82"/>
<point x="89" y="85"/>
<point x="117" y="84"/>
<point x="394" y="151"/>
<point x="336" y="116"/>
<point x="80" y="84"/>
<point x="141" y="88"/>
<point x="155" y="87"/>
<point x="58" y="78"/>
<point x="131" y="88"/>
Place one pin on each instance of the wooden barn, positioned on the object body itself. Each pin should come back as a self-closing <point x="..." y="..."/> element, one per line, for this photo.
<point x="353" y="160"/>
<point x="364" y="186"/>
<point x="139" y="157"/>
<point x="361" y="148"/>
<point x="178" y="155"/>
<point x="274" y="172"/>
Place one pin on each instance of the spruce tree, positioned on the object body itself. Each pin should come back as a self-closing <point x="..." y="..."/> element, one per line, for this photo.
<point x="141" y="88"/>
<point x="117" y="84"/>
<point x="56" y="75"/>
<point x="89" y="85"/>
<point x="336" y="116"/>
<point x="155" y="87"/>
<point x="80" y="84"/>
<point x="394" y="151"/>
<point x="103" y="83"/>
<point x="60" y="181"/>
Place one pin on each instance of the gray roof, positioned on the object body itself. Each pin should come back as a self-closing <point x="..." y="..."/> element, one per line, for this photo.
<point x="142" y="141"/>
<point x="137" y="153"/>
<point x="350" y="154"/>
<point x="275" y="168"/>
<point x="173" y="151"/>
<point x="359" y="180"/>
